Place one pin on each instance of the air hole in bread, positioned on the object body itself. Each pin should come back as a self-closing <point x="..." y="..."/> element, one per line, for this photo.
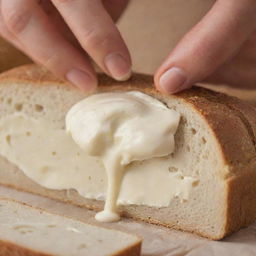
<point x="18" y="106"/>
<point x="183" y="121"/>
<point x="51" y="226"/>
<point x="205" y="156"/>
<point x="54" y="153"/>
<point x="89" y="178"/>
<point x="203" y="140"/>
<point x="9" y="101"/>
<point x="24" y="229"/>
<point x="81" y="246"/>
<point x="195" y="183"/>
<point x="28" y="133"/>
<point x="172" y="169"/>
<point x="39" y="108"/>
<point x="193" y="130"/>
<point x="8" y="139"/>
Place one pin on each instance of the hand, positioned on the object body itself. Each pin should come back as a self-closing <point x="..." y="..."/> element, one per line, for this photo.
<point x="59" y="33"/>
<point x="221" y="48"/>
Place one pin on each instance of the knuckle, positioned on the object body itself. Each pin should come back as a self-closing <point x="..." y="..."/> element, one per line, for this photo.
<point x="55" y="62"/>
<point x="93" y="39"/>
<point x="17" y="20"/>
<point x="51" y="60"/>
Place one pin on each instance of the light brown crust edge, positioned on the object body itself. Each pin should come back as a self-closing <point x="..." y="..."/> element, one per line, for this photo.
<point x="241" y="189"/>
<point x="10" y="249"/>
<point x="196" y="97"/>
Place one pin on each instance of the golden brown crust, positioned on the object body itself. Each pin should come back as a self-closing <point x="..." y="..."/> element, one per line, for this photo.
<point x="131" y="251"/>
<point x="241" y="189"/>
<point x="241" y="201"/>
<point x="32" y="73"/>
<point x="9" y="249"/>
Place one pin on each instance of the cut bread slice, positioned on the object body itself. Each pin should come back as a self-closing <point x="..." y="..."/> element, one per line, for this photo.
<point x="215" y="144"/>
<point x="29" y="231"/>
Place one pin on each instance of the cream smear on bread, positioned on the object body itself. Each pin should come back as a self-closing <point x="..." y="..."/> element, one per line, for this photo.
<point x="119" y="151"/>
<point x="121" y="128"/>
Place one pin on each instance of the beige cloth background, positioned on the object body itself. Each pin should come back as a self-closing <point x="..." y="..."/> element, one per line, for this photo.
<point x="151" y="28"/>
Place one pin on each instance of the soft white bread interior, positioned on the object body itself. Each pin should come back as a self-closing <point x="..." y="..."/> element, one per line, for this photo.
<point x="215" y="143"/>
<point x="29" y="231"/>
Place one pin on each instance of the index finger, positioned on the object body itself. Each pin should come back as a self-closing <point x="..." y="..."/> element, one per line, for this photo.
<point x="97" y="34"/>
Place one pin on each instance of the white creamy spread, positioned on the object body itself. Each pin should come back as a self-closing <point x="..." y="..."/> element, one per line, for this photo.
<point x="121" y="128"/>
<point x="51" y="158"/>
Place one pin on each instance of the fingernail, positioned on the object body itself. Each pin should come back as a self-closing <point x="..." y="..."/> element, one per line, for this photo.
<point x="118" y="66"/>
<point x="173" y="80"/>
<point x="81" y="79"/>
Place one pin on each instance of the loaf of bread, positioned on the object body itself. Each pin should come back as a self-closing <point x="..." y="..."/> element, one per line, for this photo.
<point x="29" y="231"/>
<point x="215" y="144"/>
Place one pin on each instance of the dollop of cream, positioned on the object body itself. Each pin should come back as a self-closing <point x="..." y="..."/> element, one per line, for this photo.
<point x="121" y="128"/>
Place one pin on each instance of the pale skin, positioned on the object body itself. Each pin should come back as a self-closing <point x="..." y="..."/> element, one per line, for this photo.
<point x="65" y="35"/>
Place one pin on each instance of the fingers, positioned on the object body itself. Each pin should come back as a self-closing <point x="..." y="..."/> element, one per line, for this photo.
<point x="115" y="8"/>
<point x="213" y="41"/>
<point x="97" y="34"/>
<point x="5" y="33"/>
<point x="29" y="25"/>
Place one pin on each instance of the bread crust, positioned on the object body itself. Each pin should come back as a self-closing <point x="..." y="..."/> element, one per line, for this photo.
<point x="229" y="119"/>
<point x="10" y="249"/>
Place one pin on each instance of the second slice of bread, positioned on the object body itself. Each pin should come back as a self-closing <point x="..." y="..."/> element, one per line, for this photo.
<point x="29" y="231"/>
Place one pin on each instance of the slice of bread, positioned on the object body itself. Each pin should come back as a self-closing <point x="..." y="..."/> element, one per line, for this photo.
<point x="29" y="231"/>
<point x="215" y="142"/>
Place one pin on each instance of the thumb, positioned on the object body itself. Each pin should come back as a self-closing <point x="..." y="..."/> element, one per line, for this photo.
<point x="213" y="41"/>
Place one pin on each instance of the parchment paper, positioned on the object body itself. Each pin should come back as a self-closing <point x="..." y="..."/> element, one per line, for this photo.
<point x="156" y="240"/>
